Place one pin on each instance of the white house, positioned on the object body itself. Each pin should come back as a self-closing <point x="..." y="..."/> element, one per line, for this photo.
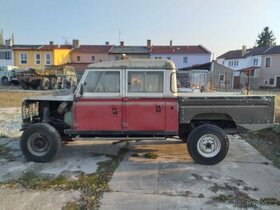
<point x="6" y="54"/>
<point x="248" y="65"/>
<point x="182" y="56"/>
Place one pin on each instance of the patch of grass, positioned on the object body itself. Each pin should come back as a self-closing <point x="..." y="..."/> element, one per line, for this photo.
<point x="14" y="99"/>
<point x="150" y="155"/>
<point x="238" y="199"/>
<point x="71" y="206"/>
<point x="242" y="200"/>
<point x="270" y="201"/>
<point x="92" y="185"/>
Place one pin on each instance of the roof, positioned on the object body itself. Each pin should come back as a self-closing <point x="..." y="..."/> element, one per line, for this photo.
<point x="134" y="64"/>
<point x="204" y="66"/>
<point x="273" y="50"/>
<point x="41" y="47"/>
<point x="234" y="54"/>
<point x="196" y="49"/>
<point x="92" y="49"/>
<point x="129" y="50"/>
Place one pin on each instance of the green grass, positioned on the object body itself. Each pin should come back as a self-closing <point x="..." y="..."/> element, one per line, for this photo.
<point x="150" y="155"/>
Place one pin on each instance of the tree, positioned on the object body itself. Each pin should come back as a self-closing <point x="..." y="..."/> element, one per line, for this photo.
<point x="266" y="38"/>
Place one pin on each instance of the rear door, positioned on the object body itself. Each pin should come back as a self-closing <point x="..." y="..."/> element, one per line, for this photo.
<point x="100" y="106"/>
<point x="144" y="104"/>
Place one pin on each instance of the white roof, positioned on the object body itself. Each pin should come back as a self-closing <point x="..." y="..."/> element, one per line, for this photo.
<point x="134" y="64"/>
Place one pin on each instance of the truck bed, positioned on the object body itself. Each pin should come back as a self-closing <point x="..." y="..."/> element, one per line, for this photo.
<point x="250" y="112"/>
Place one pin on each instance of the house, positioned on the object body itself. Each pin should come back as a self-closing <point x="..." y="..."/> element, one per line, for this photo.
<point x="39" y="56"/>
<point x="269" y="76"/>
<point x="253" y="67"/>
<point x="182" y="56"/>
<point x="82" y="55"/>
<point x="133" y="52"/>
<point x="209" y="76"/>
<point x="6" y="54"/>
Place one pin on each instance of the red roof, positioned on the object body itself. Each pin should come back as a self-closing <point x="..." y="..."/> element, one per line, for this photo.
<point x="93" y="49"/>
<point x="197" y="49"/>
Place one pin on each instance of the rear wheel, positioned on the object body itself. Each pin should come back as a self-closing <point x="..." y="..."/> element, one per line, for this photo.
<point x="24" y="85"/>
<point x="40" y="143"/>
<point x="208" y="144"/>
<point x="5" y="81"/>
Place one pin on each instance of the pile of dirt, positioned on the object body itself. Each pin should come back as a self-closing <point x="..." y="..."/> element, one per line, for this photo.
<point x="267" y="142"/>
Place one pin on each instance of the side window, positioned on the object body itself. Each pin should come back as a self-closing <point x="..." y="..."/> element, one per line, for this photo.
<point x="145" y="82"/>
<point x="102" y="82"/>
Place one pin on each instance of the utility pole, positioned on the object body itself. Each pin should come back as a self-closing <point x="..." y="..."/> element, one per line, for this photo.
<point x="248" y="80"/>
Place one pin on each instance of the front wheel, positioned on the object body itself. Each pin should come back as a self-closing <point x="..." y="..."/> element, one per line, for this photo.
<point x="40" y="142"/>
<point x="5" y="81"/>
<point x="208" y="144"/>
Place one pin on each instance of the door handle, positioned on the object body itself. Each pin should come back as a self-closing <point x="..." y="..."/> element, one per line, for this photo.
<point x="158" y="108"/>
<point x="115" y="111"/>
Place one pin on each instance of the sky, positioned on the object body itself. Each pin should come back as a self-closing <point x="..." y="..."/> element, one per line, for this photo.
<point x="219" y="25"/>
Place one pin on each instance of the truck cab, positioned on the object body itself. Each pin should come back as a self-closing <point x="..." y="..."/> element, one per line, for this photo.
<point x="127" y="98"/>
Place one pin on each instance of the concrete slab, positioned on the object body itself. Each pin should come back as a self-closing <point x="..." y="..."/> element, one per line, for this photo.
<point x="18" y="199"/>
<point x="174" y="181"/>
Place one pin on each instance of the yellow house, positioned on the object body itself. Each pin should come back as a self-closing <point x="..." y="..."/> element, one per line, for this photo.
<point x="39" y="56"/>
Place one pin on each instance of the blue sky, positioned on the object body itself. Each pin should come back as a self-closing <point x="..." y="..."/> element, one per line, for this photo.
<point x="219" y="25"/>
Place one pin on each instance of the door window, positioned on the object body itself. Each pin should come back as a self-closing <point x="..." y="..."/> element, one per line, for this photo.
<point x="145" y="82"/>
<point x="102" y="82"/>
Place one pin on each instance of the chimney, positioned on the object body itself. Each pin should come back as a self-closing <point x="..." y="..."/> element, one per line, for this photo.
<point x="51" y="42"/>
<point x="170" y="44"/>
<point x="149" y="43"/>
<point x="8" y="43"/>
<point x="244" y="50"/>
<point x="122" y="43"/>
<point x="107" y="43"/>
<point x="76" y="43"/>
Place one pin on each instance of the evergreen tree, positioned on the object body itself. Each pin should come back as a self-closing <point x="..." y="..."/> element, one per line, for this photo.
<point x="266" y="38"/>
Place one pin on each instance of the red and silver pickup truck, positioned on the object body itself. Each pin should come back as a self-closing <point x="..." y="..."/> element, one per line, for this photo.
<point x="138" y="99"/>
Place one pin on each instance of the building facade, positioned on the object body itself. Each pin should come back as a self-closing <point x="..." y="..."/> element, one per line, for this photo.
<point x="39" y="56"/>
<point x="182" y="56"/>
<point x="253" y="67"/>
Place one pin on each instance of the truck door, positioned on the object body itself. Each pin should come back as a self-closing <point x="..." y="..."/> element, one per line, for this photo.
<point x="100" y="106"/>
<point x="144" y="104"/>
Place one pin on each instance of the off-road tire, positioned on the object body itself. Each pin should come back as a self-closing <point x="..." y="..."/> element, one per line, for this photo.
<point x="5" y="81"/>
<point x="195" y="137"/>
<point x="24" y="85"/>
<point x="45" y="83"/>
<point x="45" y="133"/>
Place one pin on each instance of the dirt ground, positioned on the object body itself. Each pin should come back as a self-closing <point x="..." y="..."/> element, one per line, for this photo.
<point x="267" y="142"/>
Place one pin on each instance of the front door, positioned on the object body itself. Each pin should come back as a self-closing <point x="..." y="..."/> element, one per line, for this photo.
<point x="277" y="82"/>
<point x="100" y="106"/>
<point x="236" y="82"/>
<point x="144" y="104"/>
